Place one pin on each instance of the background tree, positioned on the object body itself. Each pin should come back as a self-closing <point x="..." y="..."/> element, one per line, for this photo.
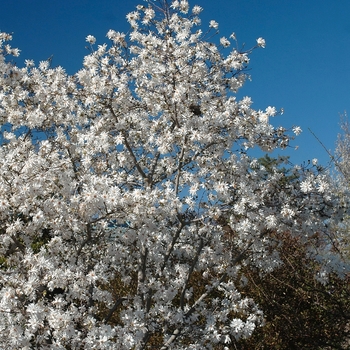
<point x="113" y="182"/>
<point x="343" y="147"/>
<point x="341" y="185"/>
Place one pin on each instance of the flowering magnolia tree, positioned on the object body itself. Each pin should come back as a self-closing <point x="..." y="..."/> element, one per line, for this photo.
<point x="128" y="202"/>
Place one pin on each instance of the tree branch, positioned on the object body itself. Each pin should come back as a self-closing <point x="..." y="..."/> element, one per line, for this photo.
<point x="171" y="245"/>
<point x="177" y="181"/>
<point x="132" y="154"/>
<point x="114" y="308"/>
<point x="195" y="260"/>
<point x="154" y="165"/>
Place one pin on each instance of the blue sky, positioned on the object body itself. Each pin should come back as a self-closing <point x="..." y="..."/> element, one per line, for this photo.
<point x="304" y="69"/>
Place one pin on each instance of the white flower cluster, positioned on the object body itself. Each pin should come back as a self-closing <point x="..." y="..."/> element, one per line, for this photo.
<point x="113" y="182"/>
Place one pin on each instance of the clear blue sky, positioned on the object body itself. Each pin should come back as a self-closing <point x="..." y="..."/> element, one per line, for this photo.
<point x="304" y="69"/>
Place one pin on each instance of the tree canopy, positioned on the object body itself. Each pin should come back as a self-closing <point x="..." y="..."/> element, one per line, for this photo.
<point x="130" y="207"/>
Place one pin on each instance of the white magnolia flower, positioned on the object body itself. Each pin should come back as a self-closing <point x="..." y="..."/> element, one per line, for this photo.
<point x="197" y="10"/>
<point x="297" y="130"/>
<point x="261" y="42"/>
<point x="306" y="186"/>
<point x="224" y="42"/>
<point x="213" y="24"/>
<point x="91" y="39"/>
